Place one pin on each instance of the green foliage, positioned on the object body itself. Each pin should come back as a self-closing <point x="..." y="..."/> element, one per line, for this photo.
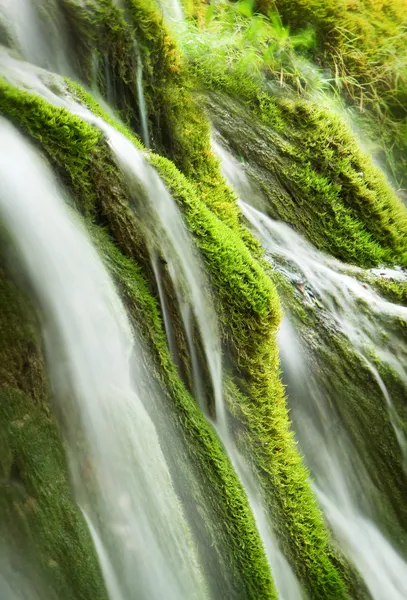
<point x="252" y="46"/>
<point x="225" y="525"/>
<point x="363" y="43"/>
<point x="314" y="174"/>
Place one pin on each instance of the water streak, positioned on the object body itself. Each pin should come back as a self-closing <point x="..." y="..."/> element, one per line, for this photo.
<point x="119" y="473"/>
<point x="38" y="32"/>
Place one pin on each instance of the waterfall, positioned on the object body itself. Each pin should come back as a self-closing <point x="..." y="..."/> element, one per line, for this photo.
<point x="356" y="311"/>
<point x="163" y="220"/>
<point x="38" y="33"/>
<point x="14" y="583"/>
<point x="172" y="10"/>
<point x="142" y="102"/>
<point x="119" y="473"/>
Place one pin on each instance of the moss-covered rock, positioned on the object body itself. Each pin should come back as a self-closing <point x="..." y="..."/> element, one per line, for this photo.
<point x="228" y="541"/>
<point x="315" y="177"/>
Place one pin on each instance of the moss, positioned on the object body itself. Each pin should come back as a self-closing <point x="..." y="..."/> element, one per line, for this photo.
<point x="395" y="291"/>
<point x="250" y="313"/>
<point x="37" y="510"/>
<point x="115" y="42"/>
<point x="315" y="177"/>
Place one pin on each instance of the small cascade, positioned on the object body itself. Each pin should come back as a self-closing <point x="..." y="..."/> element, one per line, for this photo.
<point x="14" y="582"/>
<point x="354" y="309"/>
<point x="163" y="220"/>
<point x="338" y="471"/>
<point x="341" y="480"/>
<point x="38" y="32"/>
<point x="172" y="11"/>
<point x="142" y="102"/>
<point x="120" y="477"/>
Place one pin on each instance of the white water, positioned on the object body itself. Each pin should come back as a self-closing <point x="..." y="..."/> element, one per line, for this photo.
<point x="15" y="584"/>
<point x="163" y="220"/>
<point x="172" y="11"/>
<point x="342" y="484"/>
<point x="354" y="307"/>
<point x="340" y="476"/>
<point x="38" y="32"/>
<point x="142" y="102"/>
<point x="119" y="473"/>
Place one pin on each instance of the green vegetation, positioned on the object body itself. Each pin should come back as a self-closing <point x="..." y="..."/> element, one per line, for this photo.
<point x="363" y="43"/>
<point x="225" y="525"/>
<point x="256" y="82"/>
<point x="315" y="177"/>
<point x="357" y="405"/>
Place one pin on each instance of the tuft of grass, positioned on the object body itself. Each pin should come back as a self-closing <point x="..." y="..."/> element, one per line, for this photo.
<point x="362" y="42"/>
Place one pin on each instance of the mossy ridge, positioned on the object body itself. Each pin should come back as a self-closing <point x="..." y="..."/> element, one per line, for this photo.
<point x="180" y="127"/>
<point x="244" y="290"/>
<point x="316" y="178"/>
<point x="37" y="510"/>
<point x="177" y="125"/>
<point x="211" y="493"/>
<point x="246" y="574"/>
<point x="250" y="315"/>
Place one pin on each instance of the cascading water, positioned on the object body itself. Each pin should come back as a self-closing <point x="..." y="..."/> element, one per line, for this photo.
<point x="120" y="476"/>
<point x="172" y="10"/>
<point x="14" y="583"/>
<point x="162" y="216"/>
<point x="357" y="312"/>
<point x="38" y="33"/>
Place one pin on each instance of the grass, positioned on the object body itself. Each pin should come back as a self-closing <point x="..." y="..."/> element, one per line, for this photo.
<point x="363" y="44"/>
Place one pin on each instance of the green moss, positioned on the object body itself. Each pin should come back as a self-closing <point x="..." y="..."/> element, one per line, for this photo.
<point x="221" y="519"/>
<point x="249" y="312"/>
<point x="315" y="177"/>
<point x="37" y="511"/>
<point x="395" y="291"/>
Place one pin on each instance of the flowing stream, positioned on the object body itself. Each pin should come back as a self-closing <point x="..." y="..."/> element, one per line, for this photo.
<point x="38" y="32"/>
<point x="120" y="476"/>
<point x="354" y="309"/>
